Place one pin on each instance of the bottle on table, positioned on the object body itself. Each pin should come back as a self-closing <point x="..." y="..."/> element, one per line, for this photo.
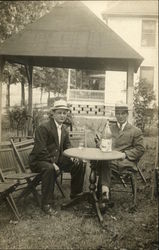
<point x="106" y="138"/>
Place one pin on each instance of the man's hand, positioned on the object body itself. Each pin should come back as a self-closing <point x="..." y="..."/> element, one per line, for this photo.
<point x="76" y="161"/>
<point x="97" y="141"/>
<point x="123" y="156"/>
<point x="57" y="170"/>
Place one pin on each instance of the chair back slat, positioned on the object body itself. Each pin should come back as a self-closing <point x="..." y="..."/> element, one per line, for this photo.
<point x="25" y="143"/>
<point x="8" y="160"/>
<point x="22" y="150"/>
<point x="24" y="153"/>
<point x="5" y="144"/>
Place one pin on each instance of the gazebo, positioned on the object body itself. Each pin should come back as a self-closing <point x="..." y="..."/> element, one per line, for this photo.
<point x="70" y="36"/>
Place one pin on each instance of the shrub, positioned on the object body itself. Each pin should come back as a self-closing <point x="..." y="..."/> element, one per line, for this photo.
<point x="144" y="106"/>
<point x="16" y="115"/>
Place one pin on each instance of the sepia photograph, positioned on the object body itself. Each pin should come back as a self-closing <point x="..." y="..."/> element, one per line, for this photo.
<point x="79" y="166"/>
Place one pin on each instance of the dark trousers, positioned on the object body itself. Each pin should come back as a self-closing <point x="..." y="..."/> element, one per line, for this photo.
<point x="104" y="171"/>
<point x="49" y="177"/>
<point x="106" y="168"/>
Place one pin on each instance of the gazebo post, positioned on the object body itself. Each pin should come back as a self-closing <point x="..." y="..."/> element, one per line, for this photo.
<point x="130" y="90"/>
<point x="2" y="62"/>
<point x="29" y="73"/>
<point x="68" y="84"/>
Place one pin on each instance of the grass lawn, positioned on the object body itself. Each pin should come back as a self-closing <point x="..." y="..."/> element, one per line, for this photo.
<point x="78" y="227"/>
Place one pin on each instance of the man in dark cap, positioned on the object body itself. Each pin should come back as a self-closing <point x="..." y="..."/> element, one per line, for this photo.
<point x="51" y="139"/>
<point x="127" y="139"/>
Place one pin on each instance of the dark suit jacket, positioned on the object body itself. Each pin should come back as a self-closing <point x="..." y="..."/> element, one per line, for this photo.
<point x="129" y="141"/>
<point x="46" y="146"/>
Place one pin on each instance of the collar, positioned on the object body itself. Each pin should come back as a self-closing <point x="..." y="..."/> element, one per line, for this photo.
<point x="58" y="125"/>
<point x="123" y="125"/>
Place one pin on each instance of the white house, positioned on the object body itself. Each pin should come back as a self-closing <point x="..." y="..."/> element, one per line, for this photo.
<point x="137" y="23"/>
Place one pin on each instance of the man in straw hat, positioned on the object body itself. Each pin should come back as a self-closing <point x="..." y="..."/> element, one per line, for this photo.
<point x="127" y="139"/>
<point x="51" y="139"/>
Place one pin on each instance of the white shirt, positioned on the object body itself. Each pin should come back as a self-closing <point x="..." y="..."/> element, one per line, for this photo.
<point x="121" y="127"/>
<point x="58" y="131"/>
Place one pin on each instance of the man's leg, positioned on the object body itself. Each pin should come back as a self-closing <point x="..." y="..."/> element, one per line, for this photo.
<point x="104" y="170"/>
<point x="77" y="174"/>
<point x="104" y="173"/>
<point x="47" y="181"/>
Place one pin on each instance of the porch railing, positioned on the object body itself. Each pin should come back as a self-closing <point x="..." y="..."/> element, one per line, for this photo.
<point x="87" y="95"/>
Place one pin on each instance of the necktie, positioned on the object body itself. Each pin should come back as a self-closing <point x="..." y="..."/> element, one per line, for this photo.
<point x="59" y="133"/>
<point x="120" y="127"/>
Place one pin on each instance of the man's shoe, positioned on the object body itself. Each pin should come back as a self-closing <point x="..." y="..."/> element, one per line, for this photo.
<point x="105" y="197"/>
<point x="104" y="206"/>
<point x="105" y="194"/>
<point x="47" y="209"/>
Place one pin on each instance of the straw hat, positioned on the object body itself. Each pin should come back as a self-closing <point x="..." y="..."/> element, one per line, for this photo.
<point x="121" y="106"/>
<point x="60" y="104"/>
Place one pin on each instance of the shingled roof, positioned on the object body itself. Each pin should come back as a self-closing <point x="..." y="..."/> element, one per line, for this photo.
<point x="69" y="36"/>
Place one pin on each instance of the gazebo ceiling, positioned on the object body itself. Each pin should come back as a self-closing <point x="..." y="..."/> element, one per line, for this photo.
<point x="70" y="36"/>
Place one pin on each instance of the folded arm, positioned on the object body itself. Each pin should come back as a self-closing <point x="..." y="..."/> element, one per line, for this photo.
<point x="137" y="149"/>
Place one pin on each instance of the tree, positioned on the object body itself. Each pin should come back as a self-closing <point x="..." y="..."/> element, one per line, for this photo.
<point x="15" y="15"/>
<point x="14" y="74"/>
<point x="51" y="80"/>
<point x="144" y="98"/>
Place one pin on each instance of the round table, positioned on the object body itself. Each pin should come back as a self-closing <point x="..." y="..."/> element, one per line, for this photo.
<point x="89" y="154"/>
<point x="93" y="154"/>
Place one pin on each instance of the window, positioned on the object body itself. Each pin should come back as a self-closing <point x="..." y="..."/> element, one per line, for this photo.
<point x="87" y="85"/>
<point x="147" y="73"/>
<point x="148" y="33"/>
<point x="88" y="79"/>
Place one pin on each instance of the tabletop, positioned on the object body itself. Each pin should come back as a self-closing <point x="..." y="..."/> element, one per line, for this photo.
<point x="92" y="154"/>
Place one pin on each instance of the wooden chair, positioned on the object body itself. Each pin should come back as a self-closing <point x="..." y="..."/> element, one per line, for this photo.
<point x="22" y="150"/>
<point x="6" y="190"/>
<point x="14" y="171"/>
<point x="77" y="138"/>
<point x="128" y="178"/>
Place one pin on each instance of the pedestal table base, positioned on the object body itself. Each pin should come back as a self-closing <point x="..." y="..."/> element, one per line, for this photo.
<point x="88" y="195"/>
